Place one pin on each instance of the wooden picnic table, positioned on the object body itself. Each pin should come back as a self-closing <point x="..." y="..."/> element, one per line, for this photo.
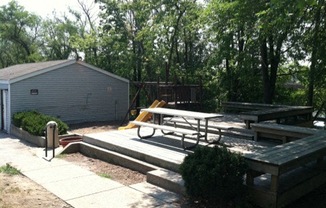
<point x="195" y="129"/>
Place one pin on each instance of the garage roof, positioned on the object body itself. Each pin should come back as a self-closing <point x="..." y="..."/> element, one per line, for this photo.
<point x="22" y="71"/>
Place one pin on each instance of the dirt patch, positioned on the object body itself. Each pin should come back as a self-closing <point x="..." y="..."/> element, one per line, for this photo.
<point x="114" y="172"/>
<point x="117" y="173"/>
<point x="93" y="127"/>
<point x="20" y="191"/>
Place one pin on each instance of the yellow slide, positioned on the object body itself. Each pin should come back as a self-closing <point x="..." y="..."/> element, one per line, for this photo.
<point x="144" y="116"/>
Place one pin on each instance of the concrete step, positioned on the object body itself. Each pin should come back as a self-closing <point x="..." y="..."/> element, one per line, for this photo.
<point x="157" y="192"/>
<point x="167" y="179"/>
<point x="157" y="177"/>
<point x="109" y="156"/>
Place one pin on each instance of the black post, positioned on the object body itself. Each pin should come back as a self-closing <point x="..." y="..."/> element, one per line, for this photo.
<point x="53" y="135"/>
<point x="46" y="142"/>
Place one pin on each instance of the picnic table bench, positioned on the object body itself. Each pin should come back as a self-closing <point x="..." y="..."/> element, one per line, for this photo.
<point x="215" y="128"/>
<point x="295" y="112"/>
<point x="280" y="132"/>
<point x="168" y="129"/>
<point x="294" y="169"/>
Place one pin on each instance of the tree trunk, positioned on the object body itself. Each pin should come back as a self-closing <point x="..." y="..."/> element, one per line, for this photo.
<point x="315" y="46"/>
<point x="265" y="72"/>
<point x="274" y="62"/>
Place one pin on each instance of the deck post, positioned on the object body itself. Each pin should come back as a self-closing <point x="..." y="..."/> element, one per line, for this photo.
<point x="320" y="161"/>
<point x="250" y="178"/>
<point x="274" y="183"/>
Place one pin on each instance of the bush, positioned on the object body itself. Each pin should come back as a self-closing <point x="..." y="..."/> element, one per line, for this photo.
<point x="214" y="174"/>
<point x="18" y="117"/>
<point x="34" y="122"/>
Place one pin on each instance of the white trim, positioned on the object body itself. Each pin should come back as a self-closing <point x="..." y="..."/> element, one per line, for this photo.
<point x="4" y="85"/>
<point x="6" y="111"/>
<point x="9" y="109"/>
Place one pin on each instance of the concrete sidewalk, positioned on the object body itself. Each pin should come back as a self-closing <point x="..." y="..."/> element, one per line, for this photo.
<point x="77" y="186"/>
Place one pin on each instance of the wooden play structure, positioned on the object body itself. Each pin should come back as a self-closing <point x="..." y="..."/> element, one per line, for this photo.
<point x="177" y="95"/>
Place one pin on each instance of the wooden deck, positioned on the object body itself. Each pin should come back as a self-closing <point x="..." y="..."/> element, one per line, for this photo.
<point x="164" y="150"/>
<point x="278" y="172"/>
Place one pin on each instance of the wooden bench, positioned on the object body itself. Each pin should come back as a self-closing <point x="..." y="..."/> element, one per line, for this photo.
<point x="280" y="132"/>
<point x="191" y="124"/>
<point x="243" y="106"/>
<point x="279" y="175"/>
<point x="304" y="112"/>
<point x="169" y="129"/>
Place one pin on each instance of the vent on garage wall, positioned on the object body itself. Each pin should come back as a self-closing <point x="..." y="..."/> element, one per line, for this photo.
<point x="34" y="92"/>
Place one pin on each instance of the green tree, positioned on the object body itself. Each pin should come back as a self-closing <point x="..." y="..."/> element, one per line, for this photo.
<point x="19" y="32"/>
<point x="234" y="57"/>
<point x="251" y="40"/>
<point x="57" y="34"/>
<point x="152" y="33"/>
<point x="276" y="20"/>
<point x="86" y="40"/>
<point x="315" y="45"/>
<point x="147" y="40"/>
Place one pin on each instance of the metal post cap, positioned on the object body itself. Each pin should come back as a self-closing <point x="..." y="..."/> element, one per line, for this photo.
<point x="51" y="123"/>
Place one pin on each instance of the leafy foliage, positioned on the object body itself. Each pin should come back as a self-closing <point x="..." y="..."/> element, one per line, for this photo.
<point x="239" y="49"/>
<point x="214" y="174"/>
<point x="35" y="122"/>
<point x="17" y="31"/>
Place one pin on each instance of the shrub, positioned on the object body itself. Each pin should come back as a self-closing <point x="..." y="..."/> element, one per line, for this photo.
<point x="35" y="123"/>
<point x="18" y="117"/>
<point x="214" y="174"/>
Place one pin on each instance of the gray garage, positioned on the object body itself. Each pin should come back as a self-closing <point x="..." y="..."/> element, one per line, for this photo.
<point x="73" y="91"/>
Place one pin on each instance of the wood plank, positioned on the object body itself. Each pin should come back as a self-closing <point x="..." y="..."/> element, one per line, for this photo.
<point x="286" y="129"/>
<point x="300" y="189"/>
<point x="244" y="106"/>
<point x="273" y="152"/>
<point x="195" y="122"/>
<point x="183" y="113"/>
<point x="263" y="167"/>
<point x="284" y="159"/>
<point x="292" y="186"/>
<point x="276" y="113"/>
<point x="290" y="152"/>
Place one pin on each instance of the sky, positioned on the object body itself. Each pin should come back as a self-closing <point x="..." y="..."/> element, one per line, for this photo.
<point x="44" y="8"/>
